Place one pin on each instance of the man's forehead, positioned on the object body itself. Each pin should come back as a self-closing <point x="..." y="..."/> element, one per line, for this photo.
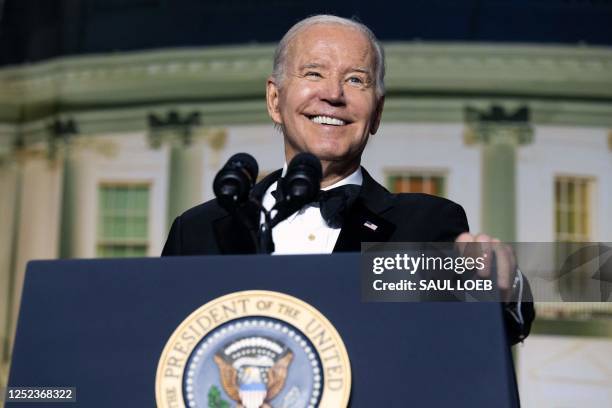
<point x="308" y="45"/>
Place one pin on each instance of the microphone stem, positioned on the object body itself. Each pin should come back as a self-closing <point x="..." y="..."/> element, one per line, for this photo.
<point x="264" y="242"/>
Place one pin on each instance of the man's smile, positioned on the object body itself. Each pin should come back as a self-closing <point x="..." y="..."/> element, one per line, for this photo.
<point x="327" y="120"/>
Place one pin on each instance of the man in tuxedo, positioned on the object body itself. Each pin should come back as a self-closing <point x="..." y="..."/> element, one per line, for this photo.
<point x="326" y="95"/>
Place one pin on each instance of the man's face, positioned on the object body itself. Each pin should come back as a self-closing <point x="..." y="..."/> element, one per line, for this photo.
<point x="327" y="104"/>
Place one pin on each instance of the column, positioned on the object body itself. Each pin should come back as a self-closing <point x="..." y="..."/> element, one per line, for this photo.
<point x="186" y="164"/>
<point x="61" y="133"/>
<point x="8" y="204"/>
<point x="499" y="133"/>
<point x="37" y="168"/>
<point x="69" y="204"/>
<point x="37" y="218"/>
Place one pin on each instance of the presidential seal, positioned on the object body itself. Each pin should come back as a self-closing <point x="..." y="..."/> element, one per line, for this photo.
<point x="254" y="349"/>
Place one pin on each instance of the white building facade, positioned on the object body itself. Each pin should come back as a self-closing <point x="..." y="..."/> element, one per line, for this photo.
<point x="99" y="153"/>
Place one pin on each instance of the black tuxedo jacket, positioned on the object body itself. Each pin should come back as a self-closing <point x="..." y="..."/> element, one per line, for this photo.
<point x="209" y="229"/>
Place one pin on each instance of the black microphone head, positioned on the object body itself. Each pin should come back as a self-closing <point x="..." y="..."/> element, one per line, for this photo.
<point x="309" y="161"/>
<point x="235" y="180"/>
<point x="302" y="182"/>
<point x="247" y="162"/>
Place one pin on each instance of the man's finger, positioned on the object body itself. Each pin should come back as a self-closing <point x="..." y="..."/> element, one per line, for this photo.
<point x="462" y="241"/>
<point x="504" y="266"/>
<point x="483" y="249"/>
<point x="506" y="279"/>
<point x="465" y="237"/>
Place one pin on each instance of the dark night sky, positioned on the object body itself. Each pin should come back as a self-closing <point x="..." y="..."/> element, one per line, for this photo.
<point x="31" y="30"/>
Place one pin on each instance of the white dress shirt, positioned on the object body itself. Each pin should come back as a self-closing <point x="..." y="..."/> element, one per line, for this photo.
<point x="306" y="232"/>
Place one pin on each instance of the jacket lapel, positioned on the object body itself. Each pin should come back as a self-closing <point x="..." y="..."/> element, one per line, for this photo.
<point x="237" y="233"/>
<point x="364" y="222"/>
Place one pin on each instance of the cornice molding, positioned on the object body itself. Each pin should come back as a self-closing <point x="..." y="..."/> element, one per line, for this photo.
<point x="228" y="83"/>
<point x="521" y="70"/>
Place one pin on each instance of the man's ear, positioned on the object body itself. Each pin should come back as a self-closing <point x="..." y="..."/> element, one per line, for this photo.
<point x="377" y="115"/>
<point x="272" y="100"/>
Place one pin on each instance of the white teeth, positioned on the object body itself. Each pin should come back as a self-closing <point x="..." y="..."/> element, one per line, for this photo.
<point x="326" y="120"/>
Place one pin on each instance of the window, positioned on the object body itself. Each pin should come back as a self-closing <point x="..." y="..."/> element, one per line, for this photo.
<point x="572" y="209"/>
<point x="572" y="227"/>
<point x="573" y="221"/>
<point x="417" y="182"/>
<point x="123" y="220"/>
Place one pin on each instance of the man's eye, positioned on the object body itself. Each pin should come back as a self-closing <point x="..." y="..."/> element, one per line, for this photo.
<point x="313" y="74"/>
<point x="355" y="80"/>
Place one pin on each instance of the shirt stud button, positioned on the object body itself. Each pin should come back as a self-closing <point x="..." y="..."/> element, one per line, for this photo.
<point x="311" y="237"/>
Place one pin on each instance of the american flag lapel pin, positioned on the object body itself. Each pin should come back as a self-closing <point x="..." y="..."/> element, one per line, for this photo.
<point x="370" y="225"/>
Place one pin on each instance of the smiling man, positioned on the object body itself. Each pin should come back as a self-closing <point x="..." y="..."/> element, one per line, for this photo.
<point x="326" y="94"/>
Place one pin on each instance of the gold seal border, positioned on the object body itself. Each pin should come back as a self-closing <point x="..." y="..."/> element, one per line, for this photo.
<point x="249" y="294"/>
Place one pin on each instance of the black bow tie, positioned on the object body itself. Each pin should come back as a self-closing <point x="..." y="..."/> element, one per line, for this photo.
<point x="334" y="203"/>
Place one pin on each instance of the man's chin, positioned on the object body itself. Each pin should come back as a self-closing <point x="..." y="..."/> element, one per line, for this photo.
<point x="331" y="158"/>
<point x="330" y="151"/>
<point x="334" y="163"/>
<point x="329" y="154"/>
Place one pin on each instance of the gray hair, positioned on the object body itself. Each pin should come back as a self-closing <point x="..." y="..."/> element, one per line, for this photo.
<point x="280" y="55"/>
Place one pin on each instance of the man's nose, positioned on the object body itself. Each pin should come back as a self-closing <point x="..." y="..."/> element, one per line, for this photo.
<point x="333" y="92"/>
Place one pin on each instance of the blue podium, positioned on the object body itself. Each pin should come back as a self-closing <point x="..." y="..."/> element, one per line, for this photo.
<point x="104" y="326"/>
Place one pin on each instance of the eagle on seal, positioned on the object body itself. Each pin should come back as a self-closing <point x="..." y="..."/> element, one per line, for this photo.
<point x="249" y="390"/>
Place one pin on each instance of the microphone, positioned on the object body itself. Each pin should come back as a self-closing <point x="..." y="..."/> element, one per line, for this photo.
<point x="302" y="182"/>
<point x="234" y="181"/>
